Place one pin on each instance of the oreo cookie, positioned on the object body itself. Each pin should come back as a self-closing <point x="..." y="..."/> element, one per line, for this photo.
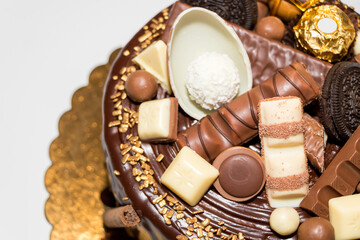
<point x="240" y="12"/>
<point x="340" y="101"/>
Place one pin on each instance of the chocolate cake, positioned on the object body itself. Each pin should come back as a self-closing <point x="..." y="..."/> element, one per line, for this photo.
<point x="151" y="210"/>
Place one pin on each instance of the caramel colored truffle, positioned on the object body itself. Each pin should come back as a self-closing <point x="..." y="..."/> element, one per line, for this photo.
<point x="263" y="10"/>
<point x="141" y="86"/>
<point x="316" y="228"/>
<point x="270" y="27"/>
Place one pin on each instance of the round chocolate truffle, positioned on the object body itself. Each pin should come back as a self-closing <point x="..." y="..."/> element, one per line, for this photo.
<point x="284" y="220"/>
<point x="141" y="86"/>
<point x="241" y="174"/>
<point x="316" y="228"/>
<point x="270" y="27"/>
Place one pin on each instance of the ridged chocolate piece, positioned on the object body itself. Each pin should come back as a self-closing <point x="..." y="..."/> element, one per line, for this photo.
<point x="340" y="100"/>
<point x="240" y="12"/>
<point x="315" y="141"/>
<point x="340" y="178"/>
<point x="266" y="56"/>
<point x="236" y="122"/>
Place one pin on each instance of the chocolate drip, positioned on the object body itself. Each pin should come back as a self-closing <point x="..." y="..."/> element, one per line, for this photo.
<point x="216" y="131"/>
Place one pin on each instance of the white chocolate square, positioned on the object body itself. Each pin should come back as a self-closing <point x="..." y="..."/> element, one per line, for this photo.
<point x="344" y="214"/>
<point x="154" y="119"/>
<point x="281" y="111"/>
<point x="153" y="59"/>
<point x="189" y="176"/>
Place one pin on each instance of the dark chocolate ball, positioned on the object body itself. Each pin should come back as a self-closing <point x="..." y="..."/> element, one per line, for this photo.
<point x="270" y="27"/>
<point x="316" y="228"/>
<point x="141" y="86"/>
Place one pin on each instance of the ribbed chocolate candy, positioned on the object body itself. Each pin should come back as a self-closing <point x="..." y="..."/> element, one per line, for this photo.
<point x="236" y="123"/>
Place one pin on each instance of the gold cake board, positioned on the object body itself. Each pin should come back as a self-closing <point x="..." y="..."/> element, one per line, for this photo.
<point x="78" y="172"/>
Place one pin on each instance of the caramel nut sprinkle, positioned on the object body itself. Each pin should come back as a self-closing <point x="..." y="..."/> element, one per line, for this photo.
<point x="162" y="203"/>
<point x="123" y="70"/>
<point x="160" y="157"/>
<point x="115" y="77"/>
<point x="198" y="212"/>
<point x="124" y="78"/>
<point x="125" y="198"/>
<point x="181" y="237"/>
<point x="126" y="53"/>
<point x="116" y="172"/>
<point x="114" y="123"/>
<point x="199" y="232"/>
<point x="145" y="36"/>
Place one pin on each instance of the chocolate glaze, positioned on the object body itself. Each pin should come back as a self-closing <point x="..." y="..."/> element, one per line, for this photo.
<point x="251" y="217"/>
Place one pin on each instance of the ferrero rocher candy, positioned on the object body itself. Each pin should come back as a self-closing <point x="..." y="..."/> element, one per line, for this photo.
<point x="325" y="31"/>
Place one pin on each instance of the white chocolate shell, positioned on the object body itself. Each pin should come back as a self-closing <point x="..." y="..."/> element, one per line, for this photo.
<point x="195" y="32"/>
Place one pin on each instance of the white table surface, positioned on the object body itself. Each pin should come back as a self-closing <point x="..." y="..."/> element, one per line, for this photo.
<point x="47" y="50"/>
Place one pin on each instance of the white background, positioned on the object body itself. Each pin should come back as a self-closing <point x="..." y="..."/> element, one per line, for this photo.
<point x="47" y="50"/>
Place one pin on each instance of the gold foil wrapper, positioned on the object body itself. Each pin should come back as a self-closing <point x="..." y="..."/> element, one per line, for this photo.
<point x="312" y="32"/>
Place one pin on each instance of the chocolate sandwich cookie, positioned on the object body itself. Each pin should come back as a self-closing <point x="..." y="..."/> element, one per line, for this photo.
<point x="240" y="12"/>
<point x="340" y="106"/>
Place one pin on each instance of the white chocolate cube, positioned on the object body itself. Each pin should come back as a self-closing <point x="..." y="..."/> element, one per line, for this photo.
<point x="189" y="176"/>
<point x="158" y="120"/>
<point x="344" y="213"/>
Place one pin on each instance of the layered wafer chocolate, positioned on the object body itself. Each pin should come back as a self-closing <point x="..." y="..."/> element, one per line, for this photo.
<point x="281" y="132"/>
<point x="340" y="178"/>
<point x="237" y="122"/>
<point x="315" y="142"/>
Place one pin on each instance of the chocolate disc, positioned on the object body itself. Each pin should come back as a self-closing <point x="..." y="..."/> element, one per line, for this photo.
<point x="340" y="101"/>
<point x="241" y="173"/>
<point x="240" y="12"/>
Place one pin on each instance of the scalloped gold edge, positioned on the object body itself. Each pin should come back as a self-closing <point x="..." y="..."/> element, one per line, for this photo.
<point x="78" y="173"/>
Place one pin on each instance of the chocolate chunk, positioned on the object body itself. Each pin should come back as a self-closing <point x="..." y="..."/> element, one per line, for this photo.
<point x="241" y="174"/>
<point x="141" y="86"/>
<point x="340" y="178"/>
<point x="263" y="10"/>
<point x="236" y="122"/>
<point x="316" y="228"/>
<point x="340" y="103"/>
<point x="240" y="12"/>
<point x="315" y="141"/>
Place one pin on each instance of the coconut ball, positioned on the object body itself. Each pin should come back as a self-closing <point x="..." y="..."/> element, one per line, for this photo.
<point x="213" y="80"/>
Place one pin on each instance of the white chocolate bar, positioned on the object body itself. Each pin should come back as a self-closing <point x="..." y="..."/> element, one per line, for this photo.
<point x="189" y="176"/>
<point x="283" y="150"/>
<point x="344" y="214"/>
